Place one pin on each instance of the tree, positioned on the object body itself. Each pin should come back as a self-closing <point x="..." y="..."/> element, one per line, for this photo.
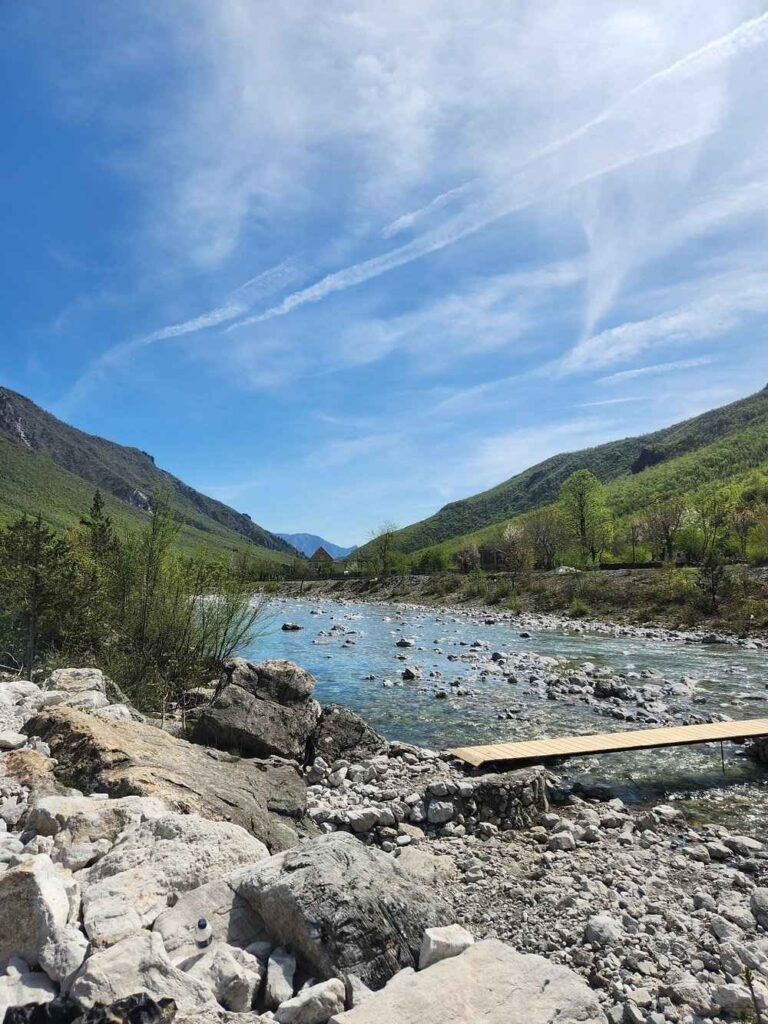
<point x="663" y="522"/>
<point x="38" y="583"/>
<point x="100" y="534"/>
<point x="516" y="553"/>
<point x="433" y="560"/>
<point x="635" y="535"/>
<point x="468" y="557"/>
<point x="712" y="508"/>
<point x="545" y="531"/>
<point x="743" y="521"/>
<point x="383" y="544"/>
<point x="585" y="512"/>
<point x="712" y="581"/>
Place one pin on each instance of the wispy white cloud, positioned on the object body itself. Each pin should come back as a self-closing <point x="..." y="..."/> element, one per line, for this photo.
<point x="407" y="221"/>
<point x="659" y="115"/>
<point x="613" y="401"/>
<point x="238" y="302"/>
<point x="720" y="305"/>
<point x="655" y="370"/>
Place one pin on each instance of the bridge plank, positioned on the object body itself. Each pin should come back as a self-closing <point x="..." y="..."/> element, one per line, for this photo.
<point x="541" y="751"/>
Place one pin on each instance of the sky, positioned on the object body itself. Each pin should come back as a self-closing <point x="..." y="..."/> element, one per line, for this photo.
<point x="341" y="263"/>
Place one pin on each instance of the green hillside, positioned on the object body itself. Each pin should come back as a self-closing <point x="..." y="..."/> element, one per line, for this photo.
<point x="719" y="445"/>
<point x="52" y="469"/>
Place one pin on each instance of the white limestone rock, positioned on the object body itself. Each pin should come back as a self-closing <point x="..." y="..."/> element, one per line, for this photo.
<point x="314" y="1005"/>
<point x="34" y="902"/>
<point x="231" y="918"/>
<point x="76" y="680"/>
<point x="138" y="963"/>
<point x="129" y="887"/>
<point x="603" y="930"/>
<point x="63" y="953"/>
<point x="86" y="819"/>
<point x="442" y="943"/>
<point x="17" y="989"/>
<point x="280" y="972"/>
<point x="489" y="981"/>
<point x="12" y="740"/>
<point x="233" y="975"/>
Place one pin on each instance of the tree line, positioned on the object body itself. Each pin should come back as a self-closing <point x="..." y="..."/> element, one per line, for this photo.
<point x="715" y="525"/>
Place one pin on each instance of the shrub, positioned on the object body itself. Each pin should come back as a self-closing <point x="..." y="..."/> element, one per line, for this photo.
<point x="578" y="608"/>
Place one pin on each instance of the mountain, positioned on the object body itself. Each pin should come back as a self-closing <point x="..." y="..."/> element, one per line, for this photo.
<point x="51" y="468"/>
<point x="308" y="543"/>
<point x="715" y="446"/>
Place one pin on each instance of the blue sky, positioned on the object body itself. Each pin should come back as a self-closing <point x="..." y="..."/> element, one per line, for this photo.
<point x="341" y="263"/>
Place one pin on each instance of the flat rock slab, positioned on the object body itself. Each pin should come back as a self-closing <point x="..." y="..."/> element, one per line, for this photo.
<point x="268" y="798"/>
<point x="488" y="982"/>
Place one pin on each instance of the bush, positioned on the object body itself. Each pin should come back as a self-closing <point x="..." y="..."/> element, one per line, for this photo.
<point x="476" y="584"/>
<point x="500" y="592"/>
<point x="578" y="608"/>
<point x="156" y="622"/>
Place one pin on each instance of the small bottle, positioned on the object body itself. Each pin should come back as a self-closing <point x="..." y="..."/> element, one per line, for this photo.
<point x="203" y="933"/>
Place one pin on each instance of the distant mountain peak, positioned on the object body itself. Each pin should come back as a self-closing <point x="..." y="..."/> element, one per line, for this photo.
<point x="308" y="544"/>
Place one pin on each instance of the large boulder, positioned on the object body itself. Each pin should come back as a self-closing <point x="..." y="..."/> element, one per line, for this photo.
<point x="138" y="964"/>
<point x="488" y="982"/>
<point x="341" y="732"/>
<point x="130" y="886"/>
<point x="34" y="903"/>
<point x="79" y="687"/>
<point x="265" y="797"/>
<point x="244" y="724"/>
<point x="279" y="680"/>
<point x="369" y="914"/>
<point x="261" y="710"/>
<point x="76" y="680"/>
<point x="83" y="819"/>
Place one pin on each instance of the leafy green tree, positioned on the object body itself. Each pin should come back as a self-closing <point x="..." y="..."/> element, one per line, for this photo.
<point x="383" y="546"/>
<point x="38" y="584"/>
<point x="546" y="535"/>
<point x="585" y="512"/>
<point x="712" y="508"/>
<point x="663" y="521"/>
<point x="433" y="560"/>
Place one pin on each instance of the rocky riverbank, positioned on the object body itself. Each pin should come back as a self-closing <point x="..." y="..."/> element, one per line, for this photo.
<point x="345" y="878"/>
<point x="417" y="593"/>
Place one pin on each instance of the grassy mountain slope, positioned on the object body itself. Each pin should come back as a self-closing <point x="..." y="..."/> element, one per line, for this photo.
<point x="50" y="468"/>
<point x="715" y="446"/>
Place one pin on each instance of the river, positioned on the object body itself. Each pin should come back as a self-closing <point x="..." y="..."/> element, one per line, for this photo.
<point x="351" y="650"/>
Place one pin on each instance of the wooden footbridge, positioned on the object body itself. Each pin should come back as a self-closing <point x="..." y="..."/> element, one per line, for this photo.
<point x="531" y="752"/>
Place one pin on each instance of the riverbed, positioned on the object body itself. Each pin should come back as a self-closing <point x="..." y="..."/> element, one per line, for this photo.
<point x="352" y="650"/>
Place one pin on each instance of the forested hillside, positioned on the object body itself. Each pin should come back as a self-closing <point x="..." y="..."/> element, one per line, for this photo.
<point x="716" y="446"/>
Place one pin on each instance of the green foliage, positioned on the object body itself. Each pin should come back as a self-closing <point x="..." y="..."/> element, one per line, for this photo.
<point x="721" y="445"/>
<point x="56" y="478"/>
<point x="42" y="589"/>
<point x="578" y="608"/>
<point x="476" y="584"/>
<point x="157" y="621"/>
<point x="584" y="511"/>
